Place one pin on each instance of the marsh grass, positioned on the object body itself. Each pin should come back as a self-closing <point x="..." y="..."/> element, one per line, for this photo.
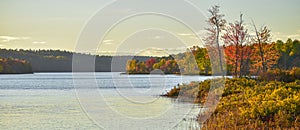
<point x="249" y="104"/>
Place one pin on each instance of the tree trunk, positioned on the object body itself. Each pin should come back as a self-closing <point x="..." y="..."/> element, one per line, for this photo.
<point x="242" y="48"/>
<point x="219" y="50"/>
<point x="285" y="59"/>
<point x="242" y="62"/>
<point x="264" y="69"/>
<point x="236" y="60"/>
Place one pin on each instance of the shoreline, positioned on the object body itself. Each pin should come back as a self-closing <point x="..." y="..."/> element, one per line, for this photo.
<point x="241" y="96"/>
<point x="16" y="73"/>
<point x="124" y="73"/>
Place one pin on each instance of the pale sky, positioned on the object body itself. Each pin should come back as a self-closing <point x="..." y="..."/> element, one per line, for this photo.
<point x="57" y="24"/>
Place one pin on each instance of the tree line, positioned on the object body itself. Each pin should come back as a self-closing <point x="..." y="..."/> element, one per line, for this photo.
<point x="61" y="61"/>
<point x="231" y="48"/>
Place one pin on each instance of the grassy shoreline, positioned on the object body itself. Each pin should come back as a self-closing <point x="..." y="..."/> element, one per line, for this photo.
<point x="248" y="103"/>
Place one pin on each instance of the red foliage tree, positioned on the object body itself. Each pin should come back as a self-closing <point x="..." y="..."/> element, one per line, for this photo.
<point x="149" y="64"/>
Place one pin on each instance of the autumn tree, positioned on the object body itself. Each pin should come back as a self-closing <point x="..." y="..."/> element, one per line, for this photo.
<point x="187" y="64"/>
<point x="270" y="55"/>
<point x="170" y="67"/>
<point x="202" y="59"/>
<point x="141" y="68"/>
<point x="247" y="62"/>
<point x="149" y="64"/>
<point x="131" y="66"/>
<point x="262" y="37"/>
<point x="235" y="38"/>
<point x="216" y="24"/>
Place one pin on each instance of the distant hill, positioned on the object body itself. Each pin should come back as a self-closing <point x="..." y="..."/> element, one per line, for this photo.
<point x="61" y="61"/>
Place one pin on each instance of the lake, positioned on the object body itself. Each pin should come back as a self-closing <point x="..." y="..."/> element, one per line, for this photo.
<point x="102" y="100"/>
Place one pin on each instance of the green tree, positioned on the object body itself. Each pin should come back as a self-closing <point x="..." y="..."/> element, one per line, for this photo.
<point x="159" y="64"/>
<point x="285" y="49"/>
<point x="202" y="59"/>
<point x="296" y="48"/>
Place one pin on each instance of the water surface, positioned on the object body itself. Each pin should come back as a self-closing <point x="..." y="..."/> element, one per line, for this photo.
<point x="50" y="100"/>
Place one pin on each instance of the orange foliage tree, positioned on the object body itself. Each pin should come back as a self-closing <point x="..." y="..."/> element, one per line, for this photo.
<point x="236" y="40"/>
<point x="271" y="56"/>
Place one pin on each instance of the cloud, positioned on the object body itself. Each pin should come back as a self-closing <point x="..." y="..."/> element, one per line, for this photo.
<point x="153" y="52"/>
<point x="293" y="36"/>
<point x="200" y="33"/>
<point x="108" y="41"/>
<point x="11" y="38"/>
<point x="39" y="42"/>
<point x="185" y="34"/>
<point x="157" y="37"/>
<point x="105" y="52"/>
<point x="176" y="50"/>
<point x="282" y="36"/>
<point x="7" y="38"/>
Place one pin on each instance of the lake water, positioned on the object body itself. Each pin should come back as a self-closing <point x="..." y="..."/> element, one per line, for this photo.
<point x="93" y="101"/>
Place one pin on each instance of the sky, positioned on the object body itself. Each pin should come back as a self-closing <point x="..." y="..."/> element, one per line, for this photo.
<point x="140" y="27"/>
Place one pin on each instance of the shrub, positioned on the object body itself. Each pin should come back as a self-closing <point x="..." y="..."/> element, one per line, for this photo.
<point x="281" y="75"/>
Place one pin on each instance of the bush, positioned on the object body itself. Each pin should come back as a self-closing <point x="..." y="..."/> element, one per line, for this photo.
<point x="281" y="75"/>
<point x="295" y="72"/>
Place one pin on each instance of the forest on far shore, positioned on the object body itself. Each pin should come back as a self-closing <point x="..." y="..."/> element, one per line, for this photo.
<point x="279" y="56"/>
<point x="61" y="61"/>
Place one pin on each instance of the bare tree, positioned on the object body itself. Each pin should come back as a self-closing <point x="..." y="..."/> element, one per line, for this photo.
<point x="216" y="25"/>
<point x="262" y="37"/>
<point x="246" y="51"/>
